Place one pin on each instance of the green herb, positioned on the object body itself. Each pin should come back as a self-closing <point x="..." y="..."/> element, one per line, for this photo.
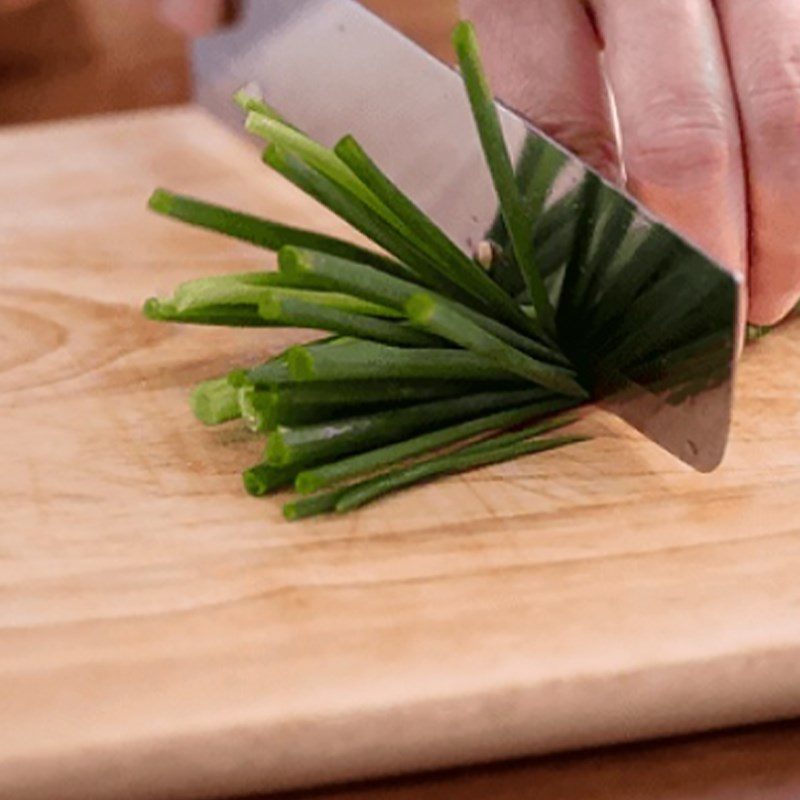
<point x="248" y="98"/>
<point x="431" y="349"/>
<point x="444" y="321"/>
<point x="313" y="506"/>
<point x="360" y="495"/>
<point x="361" y="360"/>
<point x="214" y="402"/>
<point x="417" y="266"/>
<point x="296" y="312"/>
<point x="237" y="290"/>
<point x="318" y="478"/>
<point x="314" y="444"/>
<point x="233" y="316"/>
<point x="321" y="271"/>
<point x="349" y="498"/>
<point x="295" y="404"/>
<point x="456" y="265"/>
<point x="518" y="218"/>
<point x="320" y="159"/>
<point x="260" y="232"/>
<point x="289" y="405"/>
<point x="264" y="478"/>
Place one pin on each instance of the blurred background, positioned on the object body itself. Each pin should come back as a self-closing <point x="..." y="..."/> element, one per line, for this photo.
<point x="64" y="58"/>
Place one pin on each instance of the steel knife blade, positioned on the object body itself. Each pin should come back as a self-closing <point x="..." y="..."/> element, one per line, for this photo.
<point x="650" y="318"/>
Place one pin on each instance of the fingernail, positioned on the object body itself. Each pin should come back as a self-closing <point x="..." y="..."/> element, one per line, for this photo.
<point x="771" y="309"/>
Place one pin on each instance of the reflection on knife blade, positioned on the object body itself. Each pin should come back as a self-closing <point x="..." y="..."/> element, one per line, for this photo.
<point x="650" y="319"/>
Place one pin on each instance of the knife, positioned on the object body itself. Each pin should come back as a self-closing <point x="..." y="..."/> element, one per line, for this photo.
<point x="651" y="319"/>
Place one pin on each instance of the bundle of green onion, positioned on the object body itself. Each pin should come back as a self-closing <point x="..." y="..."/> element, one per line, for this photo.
<point x="433" y="367"/>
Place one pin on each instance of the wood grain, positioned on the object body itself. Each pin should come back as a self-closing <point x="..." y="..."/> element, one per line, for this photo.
<point x="757" y="764"/>
<point x="160" y="631"/>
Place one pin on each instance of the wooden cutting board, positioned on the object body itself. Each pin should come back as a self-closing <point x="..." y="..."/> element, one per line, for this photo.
<point x="162" y="634"/>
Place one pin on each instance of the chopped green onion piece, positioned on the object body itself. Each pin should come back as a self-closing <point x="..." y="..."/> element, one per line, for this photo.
<point x="273" y="373"/>
<point x="338" y="274"/>
<point x="511" y="438"/>
<point x="372" y="361"/>
<point x="461" y="461"/>
<point x="314" y="444"/>
<point x="455" y="264"/>
<point x="570" y="304"/>
<point x="756" y="332"/>
<point x="260" y="232"/>
<point x="417" y="265"/>
<point x="221" y="290"/>
<point x="312" y="506"/>
<point x="346" y="303"/>
<point x="249" y="99"/>
<point x="295" y="404"/>
<point x="356" y="393"/>
<point x="319" y="158"/>
<point x="249" y="400"/>
<point x="237" y="316"/>
<point x="214" y="402"/>
<point x="519" y="220"/>
<point x="294" y="311"/>
<point x="328" y="474"/>
<point x="324" y="271"/>
<point x="263" y="479"/>
<point x="217" y="291"/>
<point x="393" y="317"/>
<point x="441" y="319"/>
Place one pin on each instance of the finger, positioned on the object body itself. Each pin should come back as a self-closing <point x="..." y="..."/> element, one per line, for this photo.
<point x="680" y="139"/>
<point x="764" y="45"/>
<point x="15" y="5"/>
<point x="193" y="17"/>
<point x="543" y="59"/>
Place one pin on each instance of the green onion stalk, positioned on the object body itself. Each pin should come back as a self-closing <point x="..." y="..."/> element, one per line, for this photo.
<point x="427" y="361"/>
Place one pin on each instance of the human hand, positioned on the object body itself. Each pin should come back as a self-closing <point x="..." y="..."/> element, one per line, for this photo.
<point x="15" y="5"/>
<point x="193" y="17"/>
<point x="708" y="102"/>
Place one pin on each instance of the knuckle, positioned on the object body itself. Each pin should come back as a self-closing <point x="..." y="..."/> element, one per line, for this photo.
<point x="590" y="140"/>
<point x="772" y="95"/>
<point x="679" y="143"/>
